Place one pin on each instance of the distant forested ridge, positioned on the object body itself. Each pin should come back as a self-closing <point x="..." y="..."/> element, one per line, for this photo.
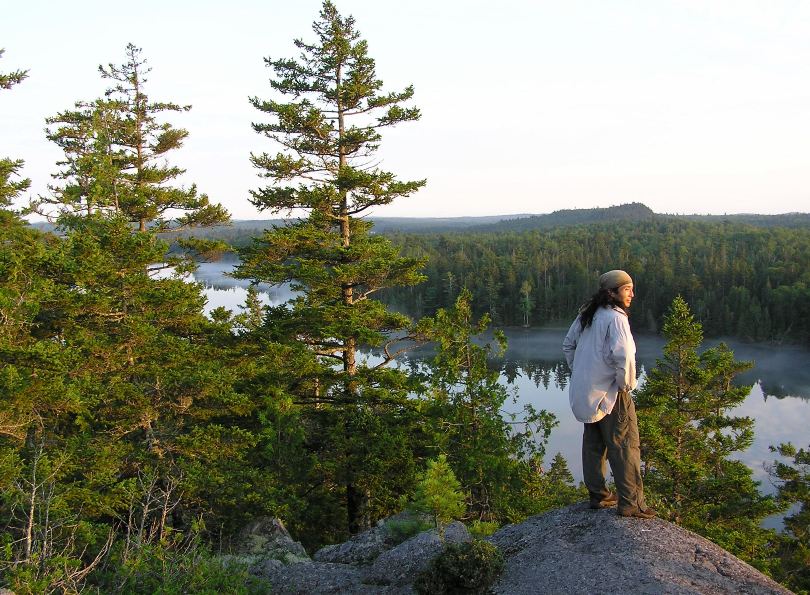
<point x="239" y="233"/>
<point x="753" y="283"/>
<point x="569" y="217"/>
<point x="744" y="275"/>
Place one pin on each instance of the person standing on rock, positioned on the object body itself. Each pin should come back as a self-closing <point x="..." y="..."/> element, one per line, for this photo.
<point x="601" y="353"/>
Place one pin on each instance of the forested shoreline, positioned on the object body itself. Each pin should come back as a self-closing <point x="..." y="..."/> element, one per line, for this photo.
<point x="138" y="436"/>
<point x="740" y="281"/>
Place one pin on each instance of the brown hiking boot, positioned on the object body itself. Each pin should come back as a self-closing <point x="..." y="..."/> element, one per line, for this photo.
<point x="639" y="513"/>
<point x="606" y="502"/>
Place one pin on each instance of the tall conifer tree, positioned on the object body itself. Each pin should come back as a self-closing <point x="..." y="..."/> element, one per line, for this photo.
<point x="688" y="437"/>
<point x="793" y="483"/>
<point x="116" y="393"/>
<point x="10" y="168"/>
<point x="490" y="451"/>
<point x="327" y="121"/>
<point x="115" y="156"/>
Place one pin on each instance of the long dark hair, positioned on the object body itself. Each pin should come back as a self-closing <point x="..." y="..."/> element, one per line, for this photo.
<point x="601" y="299"/>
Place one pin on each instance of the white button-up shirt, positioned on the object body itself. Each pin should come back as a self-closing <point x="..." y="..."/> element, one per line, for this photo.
<point x="602" y="359"/>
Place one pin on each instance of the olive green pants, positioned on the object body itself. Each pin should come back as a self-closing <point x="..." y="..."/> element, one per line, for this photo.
<point x="615" y="438"/>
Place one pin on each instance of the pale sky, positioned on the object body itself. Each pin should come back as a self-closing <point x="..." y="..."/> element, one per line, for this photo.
<point x="528" y="106"/>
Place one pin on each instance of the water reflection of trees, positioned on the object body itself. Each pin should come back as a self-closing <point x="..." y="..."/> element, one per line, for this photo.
<point x="780" y="391"/>
<point x="555" y="373"/>
<point x="540" y="372"/>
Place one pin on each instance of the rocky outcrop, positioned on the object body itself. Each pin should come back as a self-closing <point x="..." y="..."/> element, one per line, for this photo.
<point x="364" y="547"/>
<point x="400" y="565"/>
<point x="266" y="538"/>
<point x="570" y="550"/>
<point x="370" y="562"/>
<point x="577" y="550"/>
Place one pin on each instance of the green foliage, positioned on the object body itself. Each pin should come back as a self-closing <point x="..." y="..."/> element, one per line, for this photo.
<point x="484" y="446"/>
<point x="549" y="489"/>
<point x="481" y="529"/>
<point x="439" y="494"/>
<point x="116" y="151"/>
<point x="400" y="530"/>
<point x="461" y="568"/>
<point x="9" y="190"/>
<point x="793" y="484"/>
<point x="742" y="281"/>
<point x="688" y="438"/>
<point x="175" y="567"/>
<point x="325" y="119"/>
<point x="9" y="79"/>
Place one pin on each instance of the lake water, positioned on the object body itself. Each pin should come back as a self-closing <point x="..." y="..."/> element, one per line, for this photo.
<point x="533" y="367"/>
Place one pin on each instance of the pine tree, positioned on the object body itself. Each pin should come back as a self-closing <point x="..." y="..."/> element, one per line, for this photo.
<point x="117" y="396"/>
<point x="327" y="122"/>
<point x="793" y="484"/>
<point x="489" y="454"/>
<point x="38" y="524"/>
<point x="91" y="178"/>
<point x="10" y="168"/>
<point x="688" y="438"/>
<point x="526" y="303"/>
<point x="116" y="151"/>
<point x="439" y="494"/>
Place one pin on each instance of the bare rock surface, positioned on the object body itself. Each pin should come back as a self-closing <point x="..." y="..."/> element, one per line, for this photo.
<point x="364" y="547"/>
<point x="578" y="550"/>
<point x="572" y="550"/>
<point x="400" y="565"/>
<point x="267" y="538"/>
<point x="370" y="562"/>
<point x="315" y="577"/>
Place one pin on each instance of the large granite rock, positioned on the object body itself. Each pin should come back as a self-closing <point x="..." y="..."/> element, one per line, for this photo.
<point x="572" y="550"/>
<point x="370" y="562"/>
<point x="266" y="538"/>
<point x="577" y="550"/>
<point x="400" y="565"/>
<point x="364" y="547"/>
<point x="314" y="577"/>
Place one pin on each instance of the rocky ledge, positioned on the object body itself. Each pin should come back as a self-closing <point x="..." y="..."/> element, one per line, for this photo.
<point x="578" y="550"/>
<point x="569" y="550"/>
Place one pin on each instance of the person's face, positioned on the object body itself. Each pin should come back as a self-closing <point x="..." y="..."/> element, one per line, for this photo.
<point x="623" y="295"/>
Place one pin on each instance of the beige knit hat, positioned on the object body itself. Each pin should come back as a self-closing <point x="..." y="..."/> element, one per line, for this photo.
<point x="614" y="279"/>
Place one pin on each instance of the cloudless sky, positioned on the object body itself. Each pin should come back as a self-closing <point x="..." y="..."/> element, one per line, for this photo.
<point x="529" y="106"/>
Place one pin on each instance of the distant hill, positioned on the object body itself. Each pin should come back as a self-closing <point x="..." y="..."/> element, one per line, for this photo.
<point x="438" y="224"/>
<point x="241" y="230"/>
<point x="565" y="218"/>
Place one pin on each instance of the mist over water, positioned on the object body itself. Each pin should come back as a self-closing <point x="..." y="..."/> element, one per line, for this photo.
<point x="534" y="369"/>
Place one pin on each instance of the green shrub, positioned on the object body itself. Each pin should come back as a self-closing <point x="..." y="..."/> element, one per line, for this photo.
<point x="461" y="568"/>
<point x="166" y="570"/>
<point x="481" y="529"/>
<point x="400" y="530"/>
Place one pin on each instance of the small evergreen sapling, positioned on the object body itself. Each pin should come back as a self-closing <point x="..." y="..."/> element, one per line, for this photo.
<point x="439" y="494"/>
